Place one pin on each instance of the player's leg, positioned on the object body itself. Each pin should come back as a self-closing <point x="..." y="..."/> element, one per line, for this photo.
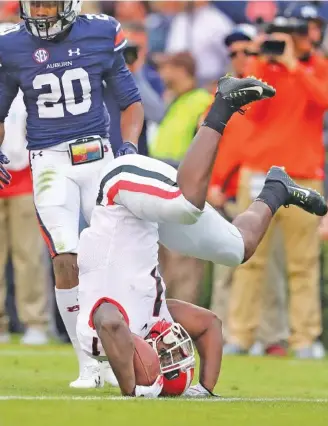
<point x="88" y="177"/>
<point x="279" y="190"/>
<point x="194" y="172"/>
<point x="4" y="252"/>
<point x="147" y="188"/>
<point x="211" y="238"/>
<point x="57" y="202"/>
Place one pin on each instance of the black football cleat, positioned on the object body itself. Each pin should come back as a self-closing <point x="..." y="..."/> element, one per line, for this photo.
<point x="305" y="198"/>
<point x="242" y="91"/>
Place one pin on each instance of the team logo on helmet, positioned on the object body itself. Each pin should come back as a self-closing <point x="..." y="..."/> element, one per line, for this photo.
<point x="41" y="56"/>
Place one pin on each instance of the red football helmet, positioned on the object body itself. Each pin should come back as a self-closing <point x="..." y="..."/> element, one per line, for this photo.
<point x="176" y="355"/>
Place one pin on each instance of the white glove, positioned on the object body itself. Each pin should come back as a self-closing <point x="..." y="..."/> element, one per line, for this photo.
<point x="198" y="391"/>
<point x="150" y="391"/>
<point x="109" y="375"/>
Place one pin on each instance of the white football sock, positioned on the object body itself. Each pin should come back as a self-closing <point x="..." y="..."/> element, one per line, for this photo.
<point x="69" y="308"/>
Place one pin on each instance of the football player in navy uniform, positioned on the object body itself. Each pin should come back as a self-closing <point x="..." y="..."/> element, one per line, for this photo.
<point x="60" y="61"/>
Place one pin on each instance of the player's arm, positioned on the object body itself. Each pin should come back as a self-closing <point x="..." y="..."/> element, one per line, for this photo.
<point x="205" y="329"/>
<point x="128" y="97"/>
<point x="8" y="92"/>
<point x="117" y="341"/>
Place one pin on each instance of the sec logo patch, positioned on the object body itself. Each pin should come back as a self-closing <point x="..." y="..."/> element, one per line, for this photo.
<point x="41" y="56"/>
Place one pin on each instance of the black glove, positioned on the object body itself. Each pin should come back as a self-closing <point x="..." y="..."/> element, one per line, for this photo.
<point x="5" y="176"/>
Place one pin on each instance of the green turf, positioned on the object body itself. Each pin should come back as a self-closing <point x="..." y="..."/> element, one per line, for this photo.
<point x="45" y="372"/>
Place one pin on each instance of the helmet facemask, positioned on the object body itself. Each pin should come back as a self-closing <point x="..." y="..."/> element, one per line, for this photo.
<point x="48" y="27"/>
<point x="174" y="348"/>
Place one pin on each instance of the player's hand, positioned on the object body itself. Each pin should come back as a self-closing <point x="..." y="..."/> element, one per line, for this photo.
<point x="5" y="176"/>
<point x="150" y="391"/>
<point x="127" y="148"/>
<point x="198" y="391"/>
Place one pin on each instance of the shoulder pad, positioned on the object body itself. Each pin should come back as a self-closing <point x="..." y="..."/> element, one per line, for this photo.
<point x="114" y="28"/>
<point x="7" y="28"/>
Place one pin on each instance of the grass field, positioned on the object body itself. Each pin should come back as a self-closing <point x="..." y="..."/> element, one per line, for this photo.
<point x="255" y="391"/>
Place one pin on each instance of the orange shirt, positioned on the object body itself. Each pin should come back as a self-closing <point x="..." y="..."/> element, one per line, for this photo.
<point x="288" y="129"/>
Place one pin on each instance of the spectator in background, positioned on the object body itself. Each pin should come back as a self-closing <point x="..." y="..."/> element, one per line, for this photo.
<point x="181" y="274"/>
<point x="201" y="29"/>
<point x="149" y="84"/>
<point x="9" y="11"/>
<point x="19" y="231"/>
<point x="316" y="22"/>
<point x="250" y="11"/>
<point x="222" y="195"/>
<point x="261" y="11"/>
<point x="20" y="236"/>
<point x="127" y="11"/>
<point x="293" y="123"/>
<point x="158" y="23"/>
<point x="90" y="7"/>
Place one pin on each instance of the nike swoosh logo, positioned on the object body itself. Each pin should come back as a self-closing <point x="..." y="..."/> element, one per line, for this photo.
<point x="305" y="191"/>
<point x="258" y="89"/>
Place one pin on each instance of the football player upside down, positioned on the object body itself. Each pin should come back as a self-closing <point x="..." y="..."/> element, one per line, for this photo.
<point x="120" y="290"/>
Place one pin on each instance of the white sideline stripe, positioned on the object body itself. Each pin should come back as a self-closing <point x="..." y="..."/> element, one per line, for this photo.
<point x="122" y="398"/>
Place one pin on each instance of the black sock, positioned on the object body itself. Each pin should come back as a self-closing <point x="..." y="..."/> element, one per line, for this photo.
<point x="219" y="114"/>
<point x="274" y="195"/>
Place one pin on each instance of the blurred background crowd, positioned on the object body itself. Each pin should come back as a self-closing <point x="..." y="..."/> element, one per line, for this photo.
<point x="277" y="301"/>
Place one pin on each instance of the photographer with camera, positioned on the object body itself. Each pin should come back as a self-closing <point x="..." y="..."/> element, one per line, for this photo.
<point x="287" y="131"/>
<point x="316" y="22"/>
<point x="273" y="329"/>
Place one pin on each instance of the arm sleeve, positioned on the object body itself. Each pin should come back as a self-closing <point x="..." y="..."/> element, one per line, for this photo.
<point x="122" y="84"/>
<point x="316" y="86"/>
<point x="153" y="104"/>
<point x="8" y="92"/>
<point x="119" y="41"/>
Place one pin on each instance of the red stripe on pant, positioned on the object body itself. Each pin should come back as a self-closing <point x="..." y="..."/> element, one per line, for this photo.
<point x="139" y="187"/>
<point x="47" y="237"/>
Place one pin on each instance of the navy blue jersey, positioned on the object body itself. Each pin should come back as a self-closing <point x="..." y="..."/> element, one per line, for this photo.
<point x="62" y="80"/>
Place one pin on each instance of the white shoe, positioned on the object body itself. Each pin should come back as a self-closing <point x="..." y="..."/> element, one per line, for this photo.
<point x="90" y="377"/>
<point x="314" y="351"/>
<point x="318" y="350"/>
<point x="109" y="375"/>
<point x="4" y="337"/>
<point x="34" y="336"/>
<point x="257" y="349"/>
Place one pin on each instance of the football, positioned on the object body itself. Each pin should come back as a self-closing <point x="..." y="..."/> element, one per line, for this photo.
<point x="146" y="362"/>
